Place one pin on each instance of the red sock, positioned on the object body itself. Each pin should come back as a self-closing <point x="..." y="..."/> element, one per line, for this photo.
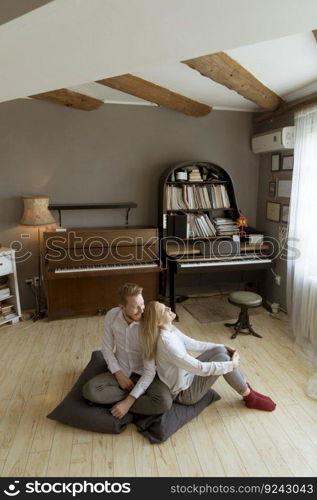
<point x="258" y="394"/>
<point x="259" y="402"/>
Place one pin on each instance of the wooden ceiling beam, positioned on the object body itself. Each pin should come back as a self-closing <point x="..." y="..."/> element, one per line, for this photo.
<point x="287" y="108"/>
<point x="222" y="69"/>
<point x="151" y="92"/>
<point x="70" y="99"/>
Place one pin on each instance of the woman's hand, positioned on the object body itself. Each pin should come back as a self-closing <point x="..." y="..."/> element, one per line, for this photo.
<point x="124" y="382"/>
<point x="230" y="350"/>
<point x="235" y="359"/>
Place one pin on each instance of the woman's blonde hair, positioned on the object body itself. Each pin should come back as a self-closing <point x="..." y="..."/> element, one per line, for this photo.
<point x="150" y="329"/>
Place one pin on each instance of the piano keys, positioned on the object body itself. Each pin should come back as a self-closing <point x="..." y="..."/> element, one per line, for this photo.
<point x="115" y="268"/>
<point x="220" y="262"/>
<point x="83" y="268"/>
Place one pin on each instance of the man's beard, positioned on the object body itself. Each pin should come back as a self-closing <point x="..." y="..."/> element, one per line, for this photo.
<point x="130" y="318"/>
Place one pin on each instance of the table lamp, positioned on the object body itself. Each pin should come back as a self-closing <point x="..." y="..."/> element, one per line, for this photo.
<point x="37" y="214"/>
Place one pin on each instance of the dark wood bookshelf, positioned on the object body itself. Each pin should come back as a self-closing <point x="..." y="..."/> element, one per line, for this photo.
<point x="207" y="170"/>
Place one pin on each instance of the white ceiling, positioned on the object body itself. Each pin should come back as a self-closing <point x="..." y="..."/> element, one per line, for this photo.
<point x="70" y="43"/>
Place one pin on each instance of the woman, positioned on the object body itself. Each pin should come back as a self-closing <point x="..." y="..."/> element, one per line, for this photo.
<point x="187" y="377"/>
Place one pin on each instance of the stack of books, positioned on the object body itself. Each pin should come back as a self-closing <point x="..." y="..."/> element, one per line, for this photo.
<point x="6" y="311"/>
<point x="225" y="226"/>
<point x="199" y="226"/>
<point x="194" y="176"/>
<point x="219" y="196"/>
<point x="4" y="292"/>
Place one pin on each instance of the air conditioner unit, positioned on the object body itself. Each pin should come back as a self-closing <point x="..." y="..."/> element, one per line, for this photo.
<point x="275" y="140"/>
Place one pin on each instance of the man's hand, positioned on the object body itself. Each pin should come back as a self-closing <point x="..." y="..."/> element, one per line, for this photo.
<point x="230" y="350"/>
<point x="124" y="382"/>
<point x="121" y="408"/>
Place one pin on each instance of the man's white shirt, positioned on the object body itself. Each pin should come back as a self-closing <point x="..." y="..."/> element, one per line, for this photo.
<point x="122" y="350"/>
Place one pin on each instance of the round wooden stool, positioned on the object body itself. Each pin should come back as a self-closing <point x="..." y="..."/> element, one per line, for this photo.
<point x="244" y="300"/>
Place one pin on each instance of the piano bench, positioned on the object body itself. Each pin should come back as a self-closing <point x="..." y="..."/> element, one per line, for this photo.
<point x="244" y="300"/>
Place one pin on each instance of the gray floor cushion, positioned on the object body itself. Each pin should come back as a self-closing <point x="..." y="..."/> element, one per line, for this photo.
<point x="75" y="411"/>
<point x="158" y="428"/>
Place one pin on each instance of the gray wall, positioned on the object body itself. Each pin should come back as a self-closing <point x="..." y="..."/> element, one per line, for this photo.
<point x="271" y="291"/>
<point x="114" y="154"/>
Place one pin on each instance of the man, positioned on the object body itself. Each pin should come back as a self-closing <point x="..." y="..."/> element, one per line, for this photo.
<point x="131" y="382"/>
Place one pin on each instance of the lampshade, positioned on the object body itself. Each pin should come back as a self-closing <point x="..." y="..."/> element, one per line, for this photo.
<point x="36" y="212"/>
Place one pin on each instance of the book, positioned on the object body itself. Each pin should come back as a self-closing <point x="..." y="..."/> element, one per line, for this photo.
<point x="219" y="196"/>
<point x="180" y="225"/>
<point x="199" y="226"/>
<point x="5" y="307"/>
<point x="4" y="297"/>
<point x="225" y="226"/>
<point x="187" y="197"/>
<point x="194" y="176"/>
<point x="9" y="316"/>
<point x="177" y="225"/>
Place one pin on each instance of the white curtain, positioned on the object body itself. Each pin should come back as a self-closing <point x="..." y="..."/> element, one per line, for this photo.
<point x="302" y="264"/>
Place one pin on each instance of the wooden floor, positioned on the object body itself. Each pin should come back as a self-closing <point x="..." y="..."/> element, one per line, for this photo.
<point x="41" y="361"/>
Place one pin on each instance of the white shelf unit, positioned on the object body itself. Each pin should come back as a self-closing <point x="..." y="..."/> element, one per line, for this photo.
<point x="8" y="268"/>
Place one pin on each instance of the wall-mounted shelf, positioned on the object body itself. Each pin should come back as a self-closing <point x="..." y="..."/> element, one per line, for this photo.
<point x="93" y="206"/>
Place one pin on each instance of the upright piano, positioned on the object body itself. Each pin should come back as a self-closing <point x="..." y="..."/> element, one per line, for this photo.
<point x="205" y="191"/>
<point x="250" y="258"/>
<point x="83" y="268"/>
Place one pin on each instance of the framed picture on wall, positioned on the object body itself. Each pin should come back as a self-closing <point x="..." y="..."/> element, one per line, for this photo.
<point x="273" y="211"/>
<point x="284" y="188"/>
<point x="275" y="162"/>
<point x="272" y="188"/>
<point x="285" y="213"/>
<point x="288" y="162"/>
